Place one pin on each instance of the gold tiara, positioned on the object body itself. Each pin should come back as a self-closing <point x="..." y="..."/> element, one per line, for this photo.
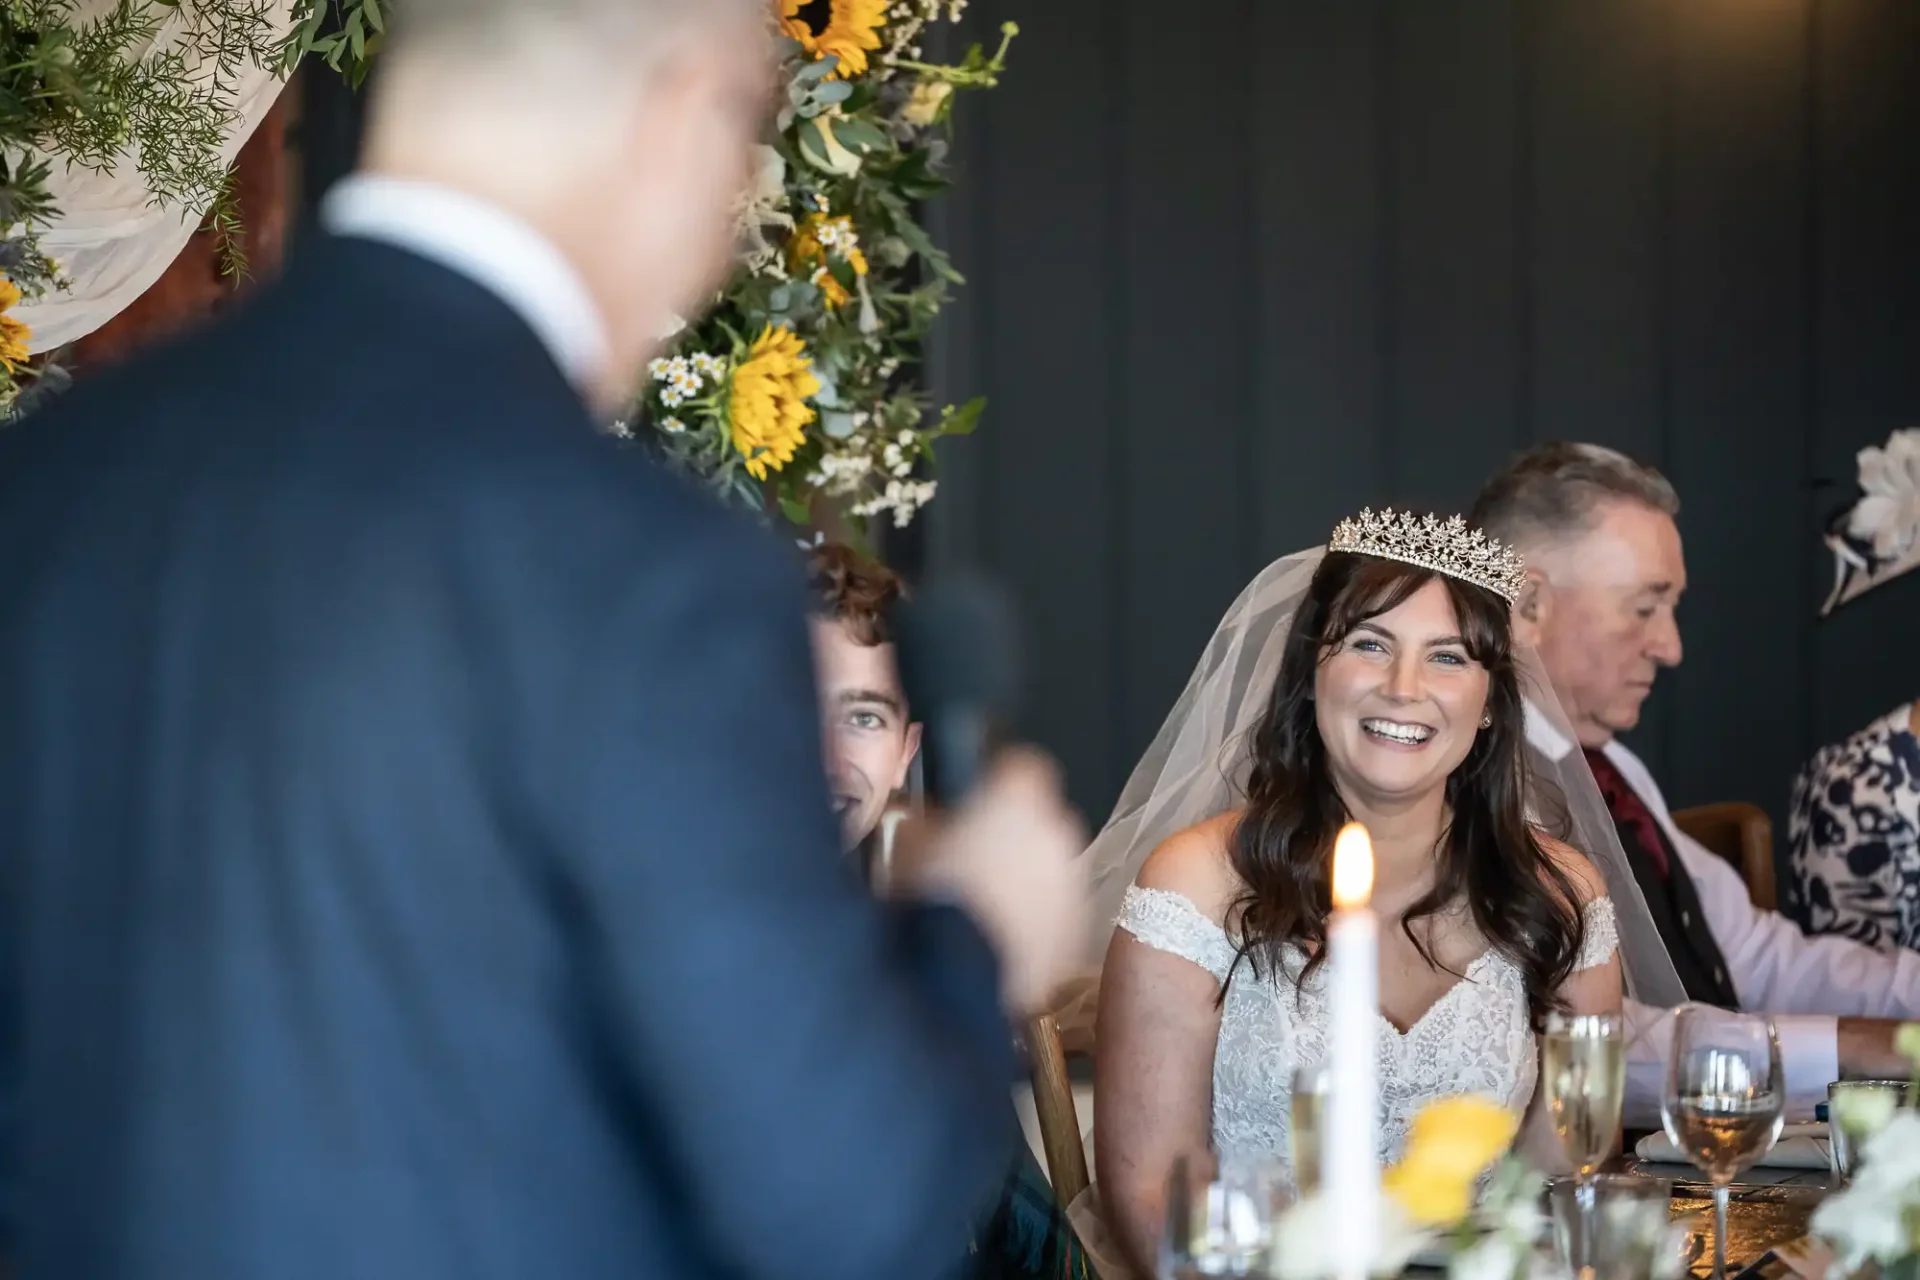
<point x="1445" y="546"/>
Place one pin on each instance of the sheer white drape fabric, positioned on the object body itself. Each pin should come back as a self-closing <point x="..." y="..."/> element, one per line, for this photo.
<point x="113" y="240"/>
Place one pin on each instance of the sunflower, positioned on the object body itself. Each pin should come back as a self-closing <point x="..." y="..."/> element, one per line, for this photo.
<point x="768" y="407"/>
<point x="15" y="335"/>
<point x="853" y="29"/>
<point x="817" y="238"/>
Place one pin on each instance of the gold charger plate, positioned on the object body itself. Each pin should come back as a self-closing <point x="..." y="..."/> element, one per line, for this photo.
<point x="1758" y="1219"/>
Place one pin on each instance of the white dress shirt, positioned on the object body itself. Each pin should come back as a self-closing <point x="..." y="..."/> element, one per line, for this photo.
<point x="1805" y="983"/>
<point x="488" y="246"/>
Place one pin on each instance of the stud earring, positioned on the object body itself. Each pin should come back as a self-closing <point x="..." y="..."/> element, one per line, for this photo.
<point x="1486" y="721"/>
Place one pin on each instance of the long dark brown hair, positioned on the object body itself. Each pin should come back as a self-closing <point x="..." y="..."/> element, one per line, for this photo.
<point x="1522" y="901"/>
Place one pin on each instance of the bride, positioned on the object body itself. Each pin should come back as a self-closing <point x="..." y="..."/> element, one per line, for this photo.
<point x="1377" y="683"/>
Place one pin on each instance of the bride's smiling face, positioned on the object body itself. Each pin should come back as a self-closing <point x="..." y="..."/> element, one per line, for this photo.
<point x="1399" y="702"/>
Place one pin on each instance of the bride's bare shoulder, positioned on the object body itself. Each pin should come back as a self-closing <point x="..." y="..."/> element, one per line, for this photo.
<point x="1197" y="864"/>
<point x="1585" y="878"/>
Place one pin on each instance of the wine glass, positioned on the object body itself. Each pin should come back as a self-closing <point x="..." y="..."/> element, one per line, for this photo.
<point x="1220" y="1218"/>
<point x="1840" y="1140"/>
<point x="1611" y="1226"/>
<point x="1308" y="1104"/>
<point x="1723" y="1099"/>
<point x="1583" y="1069"/>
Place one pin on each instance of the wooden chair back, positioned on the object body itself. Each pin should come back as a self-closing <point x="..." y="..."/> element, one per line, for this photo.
<point x="1743" y="835"/>
<point x="1053" y="1107"/>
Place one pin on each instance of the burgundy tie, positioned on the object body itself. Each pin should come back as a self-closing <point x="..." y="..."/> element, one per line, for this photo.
<point x="1629" y="811"/>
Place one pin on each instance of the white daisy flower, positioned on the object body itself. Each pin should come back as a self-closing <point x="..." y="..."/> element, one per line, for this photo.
<point x="1888" y="517"/>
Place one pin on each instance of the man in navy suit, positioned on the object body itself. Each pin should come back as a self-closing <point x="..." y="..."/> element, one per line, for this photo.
<point x="413" y="849"/>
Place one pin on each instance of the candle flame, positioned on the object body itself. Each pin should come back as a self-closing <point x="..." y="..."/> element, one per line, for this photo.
<point x="1352" y="867"/>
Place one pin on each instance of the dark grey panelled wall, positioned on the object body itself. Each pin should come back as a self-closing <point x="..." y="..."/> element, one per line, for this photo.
<point x="1241" y="266"/>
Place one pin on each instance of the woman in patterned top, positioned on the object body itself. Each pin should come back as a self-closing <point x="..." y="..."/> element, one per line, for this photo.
<point x="1855" y="828"/>
<point x="1855" y="835"/>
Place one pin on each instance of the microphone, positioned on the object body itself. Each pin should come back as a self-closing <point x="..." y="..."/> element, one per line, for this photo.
<point x="959" y="664"/>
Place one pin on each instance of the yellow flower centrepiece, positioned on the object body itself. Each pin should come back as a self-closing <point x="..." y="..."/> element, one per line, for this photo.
<point x="851" y="32"/>
<point x="768" y="408"/>
<point x="16" y="336"/>
<point x="807" y="254"/>
<point x="1452" y="1142"/>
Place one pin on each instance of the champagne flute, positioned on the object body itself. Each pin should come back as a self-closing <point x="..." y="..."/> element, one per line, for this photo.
<point x="1723" y="1099"/>
<point x="1308" y="1105"/>
<point x="1583" y="1069"/>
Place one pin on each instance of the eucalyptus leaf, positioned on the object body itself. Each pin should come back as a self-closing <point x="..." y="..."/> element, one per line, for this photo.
<point x="829" y="92"/>
<point x="837" y="423"/>
<point x="858" y="136"/>
<point x="823" y="149"/>
<point x="818" y="70"/>
<point x="812" y="152"/>
<point x="808" y="302"/>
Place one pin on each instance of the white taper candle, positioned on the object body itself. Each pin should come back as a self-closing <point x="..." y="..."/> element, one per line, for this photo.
<point x="1350" y="1148"/>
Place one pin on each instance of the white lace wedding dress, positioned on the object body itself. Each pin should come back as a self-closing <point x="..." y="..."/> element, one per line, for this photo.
<point x="1475" y="1039"/>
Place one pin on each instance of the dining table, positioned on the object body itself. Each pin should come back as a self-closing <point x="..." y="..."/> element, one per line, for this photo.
<point x="1768" y="1209"/>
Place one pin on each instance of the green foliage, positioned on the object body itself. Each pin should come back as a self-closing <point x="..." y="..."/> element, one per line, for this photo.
<point x="835" y="252"/>
<point x="156" y="81"/>
<point x="345" y="35"/>
<point x="834" y="249"/>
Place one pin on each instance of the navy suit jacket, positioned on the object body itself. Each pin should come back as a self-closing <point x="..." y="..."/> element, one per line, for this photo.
<point x="414" y="854"/>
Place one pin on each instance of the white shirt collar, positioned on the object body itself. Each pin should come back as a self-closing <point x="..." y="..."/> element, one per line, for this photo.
<point x="1545" y="736"/>
<point x="488" y="246"/>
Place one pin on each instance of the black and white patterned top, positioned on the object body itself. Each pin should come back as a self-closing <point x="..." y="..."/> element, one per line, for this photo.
<point x="1855" y="836"/>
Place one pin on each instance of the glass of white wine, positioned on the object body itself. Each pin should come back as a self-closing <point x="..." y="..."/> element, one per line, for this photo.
<point x="1308" y="1104"/>
<point x="1724" y="1099"/>
<point x="1583" y="1069"/>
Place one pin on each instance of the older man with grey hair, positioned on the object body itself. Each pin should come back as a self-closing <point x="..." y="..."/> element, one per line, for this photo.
<point x="1603" y="551"/>
<point x="414" y="851"/>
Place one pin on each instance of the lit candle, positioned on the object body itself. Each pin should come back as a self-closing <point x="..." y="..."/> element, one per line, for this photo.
<point x="1350" y="1149"/>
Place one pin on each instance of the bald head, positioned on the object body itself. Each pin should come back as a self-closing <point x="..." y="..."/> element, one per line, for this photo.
<point x="620" y="130"/>
<point x="489" y="28"/>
